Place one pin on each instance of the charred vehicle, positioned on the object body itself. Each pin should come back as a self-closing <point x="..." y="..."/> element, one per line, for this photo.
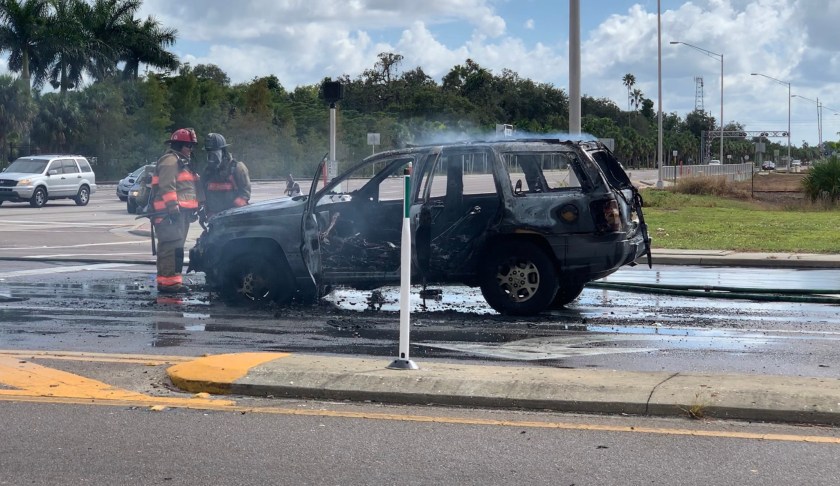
<point x="530" y="222"/>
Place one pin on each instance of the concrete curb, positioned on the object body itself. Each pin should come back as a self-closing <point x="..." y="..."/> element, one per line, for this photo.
<point x="746" y="397"/>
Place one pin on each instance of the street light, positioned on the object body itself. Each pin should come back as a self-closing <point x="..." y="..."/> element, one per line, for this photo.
<point x="712" y="55"/>
<point x="819" y="119"/>
<point x="789" y="96"/>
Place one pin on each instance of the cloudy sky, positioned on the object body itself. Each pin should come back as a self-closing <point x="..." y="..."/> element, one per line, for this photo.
<point x="302" y="41"/>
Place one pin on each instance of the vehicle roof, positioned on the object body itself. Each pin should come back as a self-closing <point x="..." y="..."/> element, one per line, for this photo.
<point x="51" y="156"/>
<point x="504" y="141"/>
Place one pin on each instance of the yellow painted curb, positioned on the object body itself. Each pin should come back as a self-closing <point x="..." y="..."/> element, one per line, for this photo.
<point x="216" y="374"/>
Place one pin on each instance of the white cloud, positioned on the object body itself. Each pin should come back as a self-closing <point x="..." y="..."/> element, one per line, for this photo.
<point x="303" y="42"/>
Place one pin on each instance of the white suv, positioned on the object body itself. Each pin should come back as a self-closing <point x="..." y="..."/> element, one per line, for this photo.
<point x="38" y="178"/>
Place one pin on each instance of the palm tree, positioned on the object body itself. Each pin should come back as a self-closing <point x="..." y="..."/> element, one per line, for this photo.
<point x="629" y="81"/>
<point x="111" y="24"/>
<point x="636" y="98"/>
<point x="16" y="108"/>
<point x="70" y="49"/>
<point x="57" y="123"/>
<point x="22" y="34"/>
<point x="146" y="43"/>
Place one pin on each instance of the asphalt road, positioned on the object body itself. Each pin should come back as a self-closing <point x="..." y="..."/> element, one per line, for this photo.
<point x="129" y="427"/>
<point x="109" y="303"/>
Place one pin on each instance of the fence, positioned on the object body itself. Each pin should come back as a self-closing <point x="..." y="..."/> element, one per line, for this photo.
<point x="732" y="172"/>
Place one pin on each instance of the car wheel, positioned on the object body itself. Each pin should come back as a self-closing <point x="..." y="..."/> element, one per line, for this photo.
<point x="123" y="198"/>
<point x="131" y="206"/>
<point x="39" y="198"/>
<point x="254" y="278"/>
<point x="518" y="278"/>
<point x="566" y="293"/>
<point x="83" y="197"/>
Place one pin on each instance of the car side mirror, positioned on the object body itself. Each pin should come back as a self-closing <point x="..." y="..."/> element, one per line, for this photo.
<point x="52" y="172"/>
<point x="517" y="189"/>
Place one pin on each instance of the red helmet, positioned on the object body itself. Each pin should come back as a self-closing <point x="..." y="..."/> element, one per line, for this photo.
<point x="186" y="135"/>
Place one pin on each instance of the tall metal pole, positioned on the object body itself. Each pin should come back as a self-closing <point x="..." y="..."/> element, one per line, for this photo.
<point x="721" y="108"/>
<point x="331" y="169"/>
<point x="714" y="55"/>
<point x="659" y="183"/>
<point x="819" y="119"/>
<point x="789" y="159"/>
<point x="789" y="97"/>
<point x="819" y="124"/>
<point x="574" y="67"/>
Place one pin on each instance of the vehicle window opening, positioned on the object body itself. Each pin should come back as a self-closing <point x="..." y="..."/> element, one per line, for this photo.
<point x="361" y="228"/>
<point x="539" y="172"/>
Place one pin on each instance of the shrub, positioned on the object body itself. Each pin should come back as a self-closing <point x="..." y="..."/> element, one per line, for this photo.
<point x="709" y="186"/>
<point x="823" y="181"/>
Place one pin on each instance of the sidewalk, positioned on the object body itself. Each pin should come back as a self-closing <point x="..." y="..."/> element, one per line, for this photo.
<point x="732" y="396"/>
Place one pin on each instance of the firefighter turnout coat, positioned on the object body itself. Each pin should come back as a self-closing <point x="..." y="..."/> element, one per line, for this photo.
<point x="227" y="187"/>
<point x="174" y="183"/>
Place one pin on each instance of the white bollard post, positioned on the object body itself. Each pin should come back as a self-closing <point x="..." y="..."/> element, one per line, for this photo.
<point x="403" y="362"/>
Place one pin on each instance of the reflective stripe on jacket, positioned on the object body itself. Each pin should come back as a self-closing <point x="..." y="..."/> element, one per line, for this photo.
<point x="174" y="183"/>
<point x="228" y="187"/>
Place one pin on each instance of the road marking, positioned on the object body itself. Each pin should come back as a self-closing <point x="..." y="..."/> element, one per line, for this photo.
<point x="39" y="384"/>
<point x="74" y="268"/>
<point x="217" y="406"/>
<point x="146" y="359"/>
<point x="82" y="245"/>
<point x="29" y="380"/>
<point x="58" y="223"/>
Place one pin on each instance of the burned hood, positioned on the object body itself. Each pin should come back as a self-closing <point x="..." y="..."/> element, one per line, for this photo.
<point x="263" y="209"/>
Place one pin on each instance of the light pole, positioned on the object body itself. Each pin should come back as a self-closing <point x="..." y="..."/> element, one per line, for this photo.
<point x="819" y="120"/>
<point x="659" y="183"/>
<point x="714" y="55"/>
<point x="789" y="96"/>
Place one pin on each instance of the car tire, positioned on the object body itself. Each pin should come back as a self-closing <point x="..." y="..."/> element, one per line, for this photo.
<point x="123" y="198"/>
<point x="518" y="278"/>
<point x="39" y="198"/>
<point x="131" y="206"/>
<point x="567" y="292"/>
<point x="83" y="196"/>
<point x="256" y="278"/>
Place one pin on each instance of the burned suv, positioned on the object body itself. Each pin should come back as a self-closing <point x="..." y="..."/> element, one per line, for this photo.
<point x="530" y="222"/>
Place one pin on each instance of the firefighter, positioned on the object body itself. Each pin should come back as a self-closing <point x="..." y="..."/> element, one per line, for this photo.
<point x="175" y="202"/>
<point x="292" y="187"/>
<point x="225" y="180"/>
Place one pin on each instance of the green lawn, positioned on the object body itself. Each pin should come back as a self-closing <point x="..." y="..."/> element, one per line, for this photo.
<point x="678" y="221"/>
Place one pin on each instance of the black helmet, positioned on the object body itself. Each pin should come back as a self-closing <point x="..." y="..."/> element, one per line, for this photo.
<point x="215" y="141"/>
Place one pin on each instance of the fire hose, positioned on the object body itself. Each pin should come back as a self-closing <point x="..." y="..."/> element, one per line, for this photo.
<point x="813" y="296"/>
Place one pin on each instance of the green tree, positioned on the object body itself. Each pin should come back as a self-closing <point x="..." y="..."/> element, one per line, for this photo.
<point x="57" y="125"/>
<point x="22" y="35"/>
<point x="16" y="109"/>
<point x="629" y="81"/>
<point x="145" y="43"/>
<point x="112" y="25"/>
<point x="69" y="49"/>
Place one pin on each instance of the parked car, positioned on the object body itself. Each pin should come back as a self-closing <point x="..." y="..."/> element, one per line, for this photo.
<point x="530" y="222"/>
<point x="138" y="194"/>
<point x="39" y="178"/>
<point x="768" y="165"/>
<point x="126" y="182"/>
<point x="714" y="162"/>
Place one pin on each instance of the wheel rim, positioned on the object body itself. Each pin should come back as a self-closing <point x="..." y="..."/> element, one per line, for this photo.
<point x="518" y="279"/>
<point x="39" y="198"/>
<point x="253" y="286"/>
<point x="83" y="196"/>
